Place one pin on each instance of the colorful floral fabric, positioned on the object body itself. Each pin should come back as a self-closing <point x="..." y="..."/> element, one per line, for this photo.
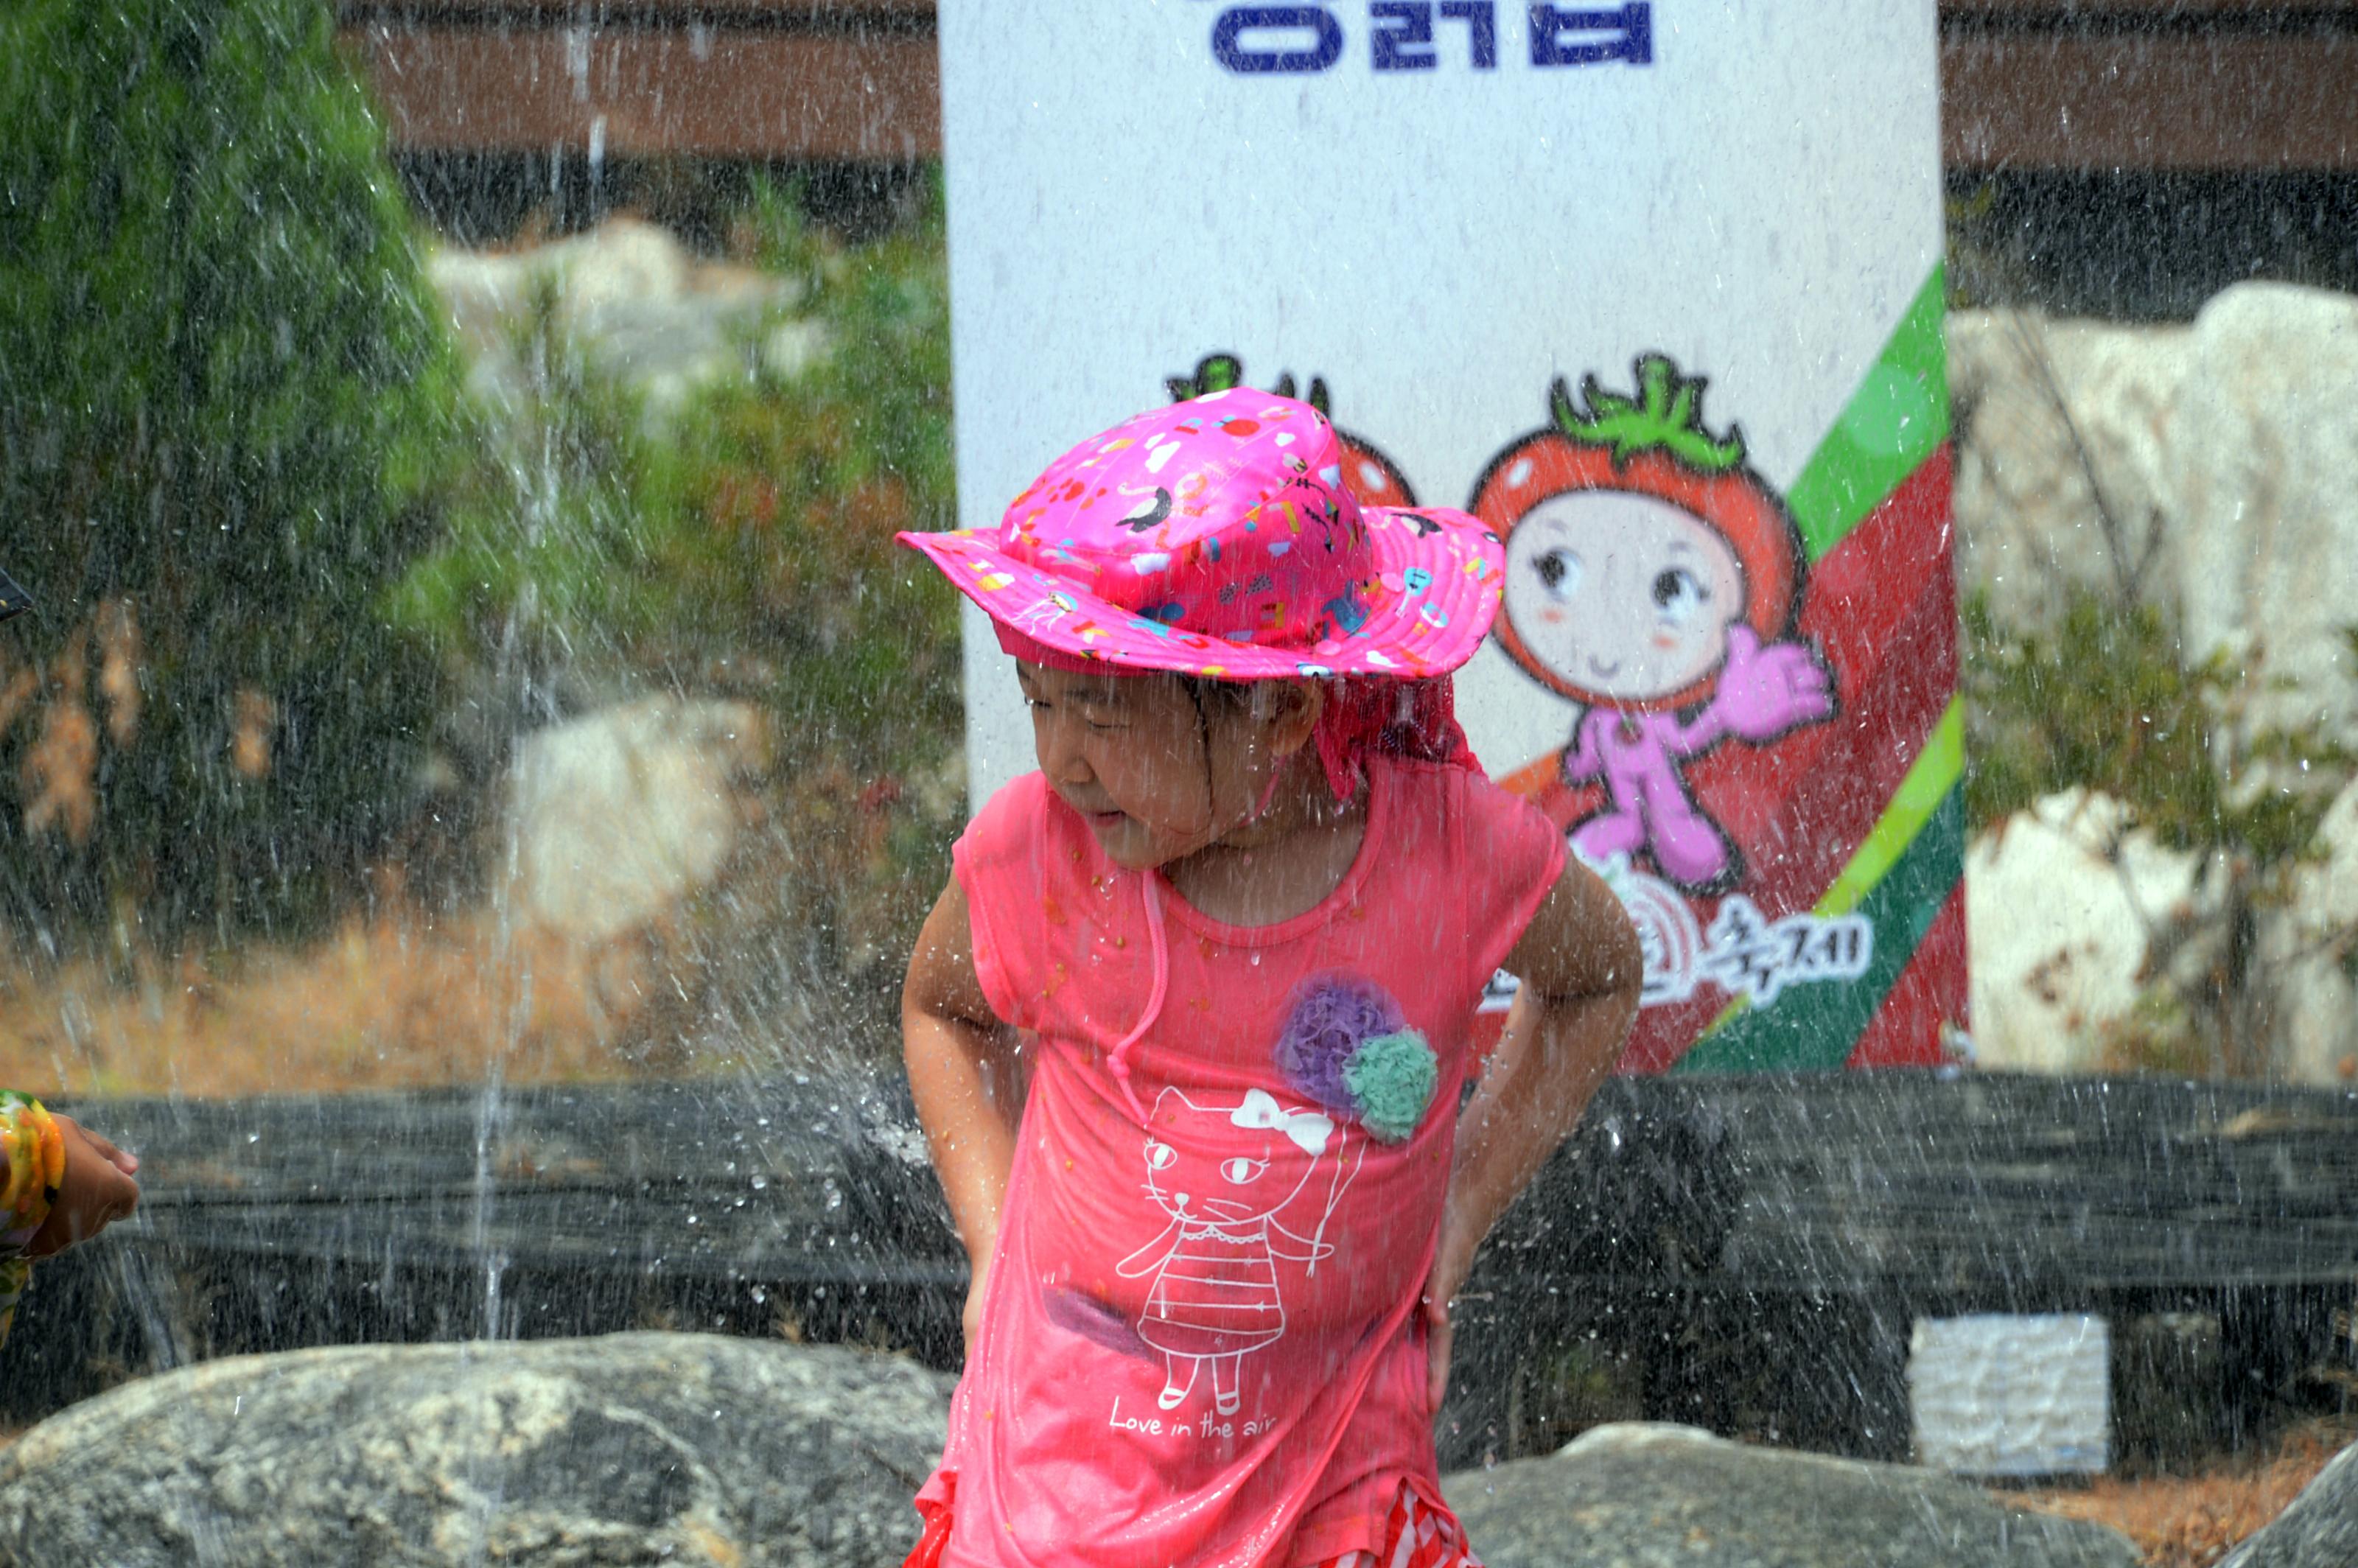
<point x="1215" y="538"/>
<point x="35" y="1154"/>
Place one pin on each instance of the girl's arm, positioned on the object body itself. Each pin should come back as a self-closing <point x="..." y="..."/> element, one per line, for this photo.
<point x="965" y="1070"/>
<point x="1580" y="966"/>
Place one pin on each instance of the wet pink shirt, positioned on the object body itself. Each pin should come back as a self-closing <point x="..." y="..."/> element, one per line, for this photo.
<point x="1200" y="1343"/>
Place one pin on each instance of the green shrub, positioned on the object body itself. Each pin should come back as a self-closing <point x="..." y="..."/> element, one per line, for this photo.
<point x="746" y="550"/>
<point x="2107" y="700"/>
<point x="220" y="390"/>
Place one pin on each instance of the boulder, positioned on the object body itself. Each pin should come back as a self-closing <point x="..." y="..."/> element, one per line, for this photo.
<point x="2063" y="475"/>
<point x="2307" y="950"/>
<point x="641" y="305"/>
<point x="2318" y="1530"/>
<point x="620" y="814"/>
<point x="2205" y="470"/>
<point x="2264" y="444"/>
<point x="1647" y="1496"/>
<point x="2071" y="918"/>
<point x="633" y="1448"/>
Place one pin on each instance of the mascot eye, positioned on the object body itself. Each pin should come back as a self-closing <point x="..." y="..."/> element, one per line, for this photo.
<point x="1161" y="1156"/>
<point x="1677" y="594"/>
<point x="1239" y="1171"/>
<point x="1558" y="572"/>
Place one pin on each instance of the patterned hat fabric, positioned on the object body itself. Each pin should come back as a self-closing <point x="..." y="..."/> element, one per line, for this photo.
<point x="1215" y="537"/>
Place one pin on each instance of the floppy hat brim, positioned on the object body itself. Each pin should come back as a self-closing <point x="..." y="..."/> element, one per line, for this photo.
<point x="1437" y="574"/>
<point x="14" y="600"/>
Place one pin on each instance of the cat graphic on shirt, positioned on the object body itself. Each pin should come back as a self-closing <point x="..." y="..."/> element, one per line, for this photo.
<point x="1214" y="1295"/>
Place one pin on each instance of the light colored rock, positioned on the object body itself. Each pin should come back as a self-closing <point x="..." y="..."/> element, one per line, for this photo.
<point x="677" y="1448"/>
<point x="619" y="815"/>
<point x="640" y="303"/>
<point x="2305" y="952"/>
<point x="1649" y="1495"/>
<point x="2224" y="455"/>
<point x="2318" y="1530"/>
<point x="2264" y="447"/>
<point x="2051" y="416"/>
<point x="794" y="347"/>
<point x="2069" y="916"/>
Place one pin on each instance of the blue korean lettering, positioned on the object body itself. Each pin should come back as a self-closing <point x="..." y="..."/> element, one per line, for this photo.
<point x="1629" y="29"/>
<point x="1407" y="45"/>
<point x="1252" y="56"/>
<point x="1481" y="19"/>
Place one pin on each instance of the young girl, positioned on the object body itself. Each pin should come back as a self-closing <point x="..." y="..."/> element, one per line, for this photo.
<point x="1189" y="1027"/>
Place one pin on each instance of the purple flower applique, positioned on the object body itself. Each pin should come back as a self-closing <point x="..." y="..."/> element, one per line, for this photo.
<point x="1348" y="1047"/>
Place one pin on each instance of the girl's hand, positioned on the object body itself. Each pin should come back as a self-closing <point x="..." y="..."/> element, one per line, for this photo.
<point x="1453" y="1262"/>
<point x="96" y="1190"/>
<point x="1581" y="966"/>
<point x="973" y="1318"/>
<point x="1437" y="1336"/>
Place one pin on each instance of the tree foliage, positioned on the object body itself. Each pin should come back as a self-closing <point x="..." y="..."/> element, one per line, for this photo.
<point x="220" y="389"/>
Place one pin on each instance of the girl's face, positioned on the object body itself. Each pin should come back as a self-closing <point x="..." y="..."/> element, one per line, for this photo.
<point x="1622" y="595"/>
<point x="1155" y="781"/>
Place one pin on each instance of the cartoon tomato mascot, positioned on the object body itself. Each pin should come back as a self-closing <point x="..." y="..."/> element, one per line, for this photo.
<point x="1653" y="578"/>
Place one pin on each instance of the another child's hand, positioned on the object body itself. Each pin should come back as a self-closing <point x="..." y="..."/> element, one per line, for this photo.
<point x="96" y="1190"/>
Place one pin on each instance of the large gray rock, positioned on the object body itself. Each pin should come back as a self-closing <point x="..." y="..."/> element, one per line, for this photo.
<point x="1642" y="1495"/>
<point x="633" y="1448"/>
<point x="2319" y="1529"/>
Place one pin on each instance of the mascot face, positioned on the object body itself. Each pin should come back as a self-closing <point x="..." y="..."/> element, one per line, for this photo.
<point x="1621" y="595"/>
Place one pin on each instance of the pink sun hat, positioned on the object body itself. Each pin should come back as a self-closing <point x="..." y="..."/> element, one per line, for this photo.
<point x="1215" y="537"/>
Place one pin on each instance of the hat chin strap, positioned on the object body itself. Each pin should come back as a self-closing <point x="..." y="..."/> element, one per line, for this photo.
<point x="1159" y="950"/>
<point x="1268" y="795"/>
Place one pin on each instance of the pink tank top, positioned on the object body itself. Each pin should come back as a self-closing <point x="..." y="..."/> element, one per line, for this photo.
<point x="1200" y="1342"/>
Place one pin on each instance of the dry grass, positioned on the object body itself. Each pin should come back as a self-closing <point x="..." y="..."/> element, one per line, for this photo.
<point x="2192" y="1521"/>
<point x="394" y="1003"/>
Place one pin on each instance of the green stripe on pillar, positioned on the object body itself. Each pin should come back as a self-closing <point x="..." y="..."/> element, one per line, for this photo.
<point x="1813" y="1026"/>
<point x="1930" y="779"/>
<point x="1895" y="420"/>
